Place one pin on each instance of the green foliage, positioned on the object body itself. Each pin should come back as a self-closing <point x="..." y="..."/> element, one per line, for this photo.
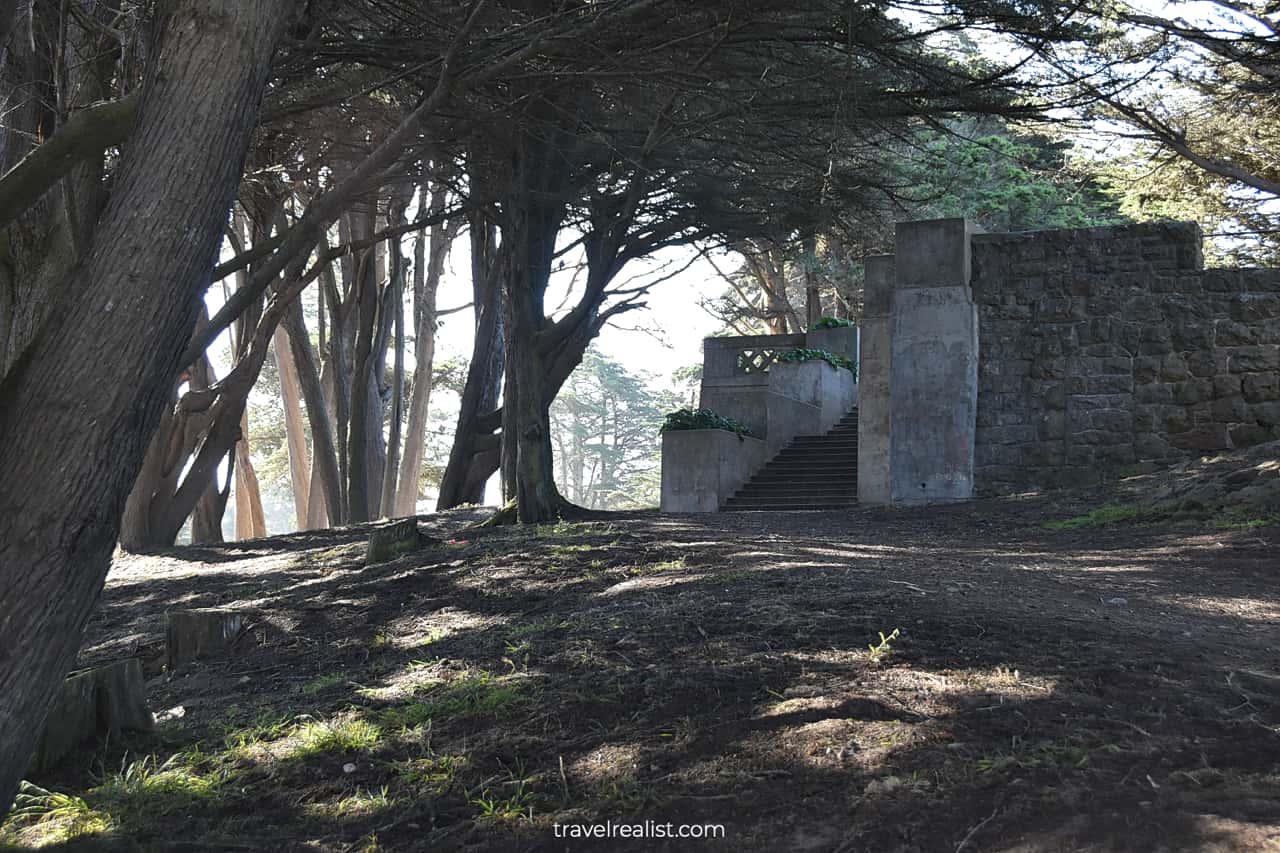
<point x="879" y="650"/>
<point x="836" y="361"/>
<point x="603" y="434"/>
<point x="480" y="695"/>
<point x="831" y="323"/>
<point x="1107" y="514"/>
<point x="1006" y="180"/>
<point x="337" y="736"/>
<point x="701" y="419"/>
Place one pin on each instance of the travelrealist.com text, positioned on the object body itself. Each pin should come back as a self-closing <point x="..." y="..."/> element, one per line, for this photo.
<point x="643" y="829"/>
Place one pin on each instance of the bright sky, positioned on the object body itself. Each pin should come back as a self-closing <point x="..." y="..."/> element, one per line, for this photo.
<point x="664" y="336"/>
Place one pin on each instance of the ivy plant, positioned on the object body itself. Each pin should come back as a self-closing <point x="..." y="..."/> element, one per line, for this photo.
<point x="701" y="419"/>
<point x="836" y="361"/>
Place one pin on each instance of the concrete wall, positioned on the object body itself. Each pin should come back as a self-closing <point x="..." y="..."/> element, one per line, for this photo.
<point x="784" y="399"/>
<point x="933" y="370"/>
<point x="1105" y="347"/>
<point x="702" y="468"/>
<point x="873" y="382"/>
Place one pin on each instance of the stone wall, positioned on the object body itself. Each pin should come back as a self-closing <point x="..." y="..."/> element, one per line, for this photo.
<point x="1100" y="348"/>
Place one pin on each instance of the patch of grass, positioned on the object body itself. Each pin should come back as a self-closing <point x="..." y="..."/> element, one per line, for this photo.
<point x="1244" y="518"/>
<point x="655" y="568"/>
<point x="41" y="818"/>
<point x="263" y="728"/>
<point x="472" y="696"/>
<point x="566" y="550"/>
<point x="324" y="682"/>
<point x="1107" y="514"/>
<point x="525" y="630"/>
<point x="512" y="801"/>
<point x="360" y="804"/>
<point x="143" y="790"/>
<point x="436" y="773"/>
<point x="561" y="529"/>
<point x="334" y="736"/>
<point x="1030" y="756"/>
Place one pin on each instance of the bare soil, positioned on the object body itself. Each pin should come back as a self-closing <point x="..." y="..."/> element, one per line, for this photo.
<point x="1098" y="689"/>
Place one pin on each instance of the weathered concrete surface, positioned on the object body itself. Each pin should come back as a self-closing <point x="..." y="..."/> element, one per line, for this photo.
<point x="934" y="253"/>
<point x="825" y="393"/>
<point x="873" y="382"/>
<point x="842" y="341"/>
<point x="933" y="384"/>
<point x="702" y="468"/>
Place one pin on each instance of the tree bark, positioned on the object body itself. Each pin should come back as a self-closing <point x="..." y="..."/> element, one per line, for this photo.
<point x="394" y="302"/>
<point x="365" y="399"/>
<point x="470" y="465"/>
<point x="324" y="503"/>
<point x="76" y="437"/>
<point x="251" y="523"/>
<point x="428" y="266"/>
<point x="291" y="398"/>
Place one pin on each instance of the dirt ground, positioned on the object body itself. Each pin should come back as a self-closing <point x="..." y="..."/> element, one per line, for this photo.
<point x="1095" y="689"/>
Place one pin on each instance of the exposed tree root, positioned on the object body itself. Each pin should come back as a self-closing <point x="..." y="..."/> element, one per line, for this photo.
<point x="565" y="511"/>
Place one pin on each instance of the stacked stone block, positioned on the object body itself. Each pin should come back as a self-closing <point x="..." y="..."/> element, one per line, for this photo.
<point x="1104" y="347"/>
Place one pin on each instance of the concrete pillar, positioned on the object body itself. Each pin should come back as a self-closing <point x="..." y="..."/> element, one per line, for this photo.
<point x="873" y="382"/>
<point x="933" y="370"/>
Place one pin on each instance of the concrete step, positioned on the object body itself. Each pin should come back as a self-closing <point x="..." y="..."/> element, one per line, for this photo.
<point x="807" y="475"/>
<point x="834" y="460"/>
<point x="776" y="506"/>
<point x="813" y="472"/>
<point x="787" y="487"/>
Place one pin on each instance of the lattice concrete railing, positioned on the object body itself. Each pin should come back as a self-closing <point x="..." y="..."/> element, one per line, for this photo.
<point x="745" y="356"/>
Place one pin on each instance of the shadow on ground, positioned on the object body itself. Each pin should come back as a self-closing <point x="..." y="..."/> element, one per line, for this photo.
<point x="1043" y="691"/>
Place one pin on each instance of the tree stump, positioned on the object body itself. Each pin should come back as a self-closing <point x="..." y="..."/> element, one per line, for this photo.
<point x="97" y="702"/>
<point x="394" y="540"/>
<point x="194" y="634"/>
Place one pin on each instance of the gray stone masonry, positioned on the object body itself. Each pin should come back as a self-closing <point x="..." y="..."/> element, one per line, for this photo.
<point x="1104" y="347"/>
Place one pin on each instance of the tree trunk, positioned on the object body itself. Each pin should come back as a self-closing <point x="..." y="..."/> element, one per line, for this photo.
<point x="428" y="266"/>
<point x="291" y="399"/>
<point x="324" y="504"/>
<point x="250" y="521"/>
<point x="362" y="490"/>
<point x="538" y="179"/>
<point x="206" y="521"/>
<point x="471" y="464"/>
<point x="75" y="437"/>
<point x="394" y="302"/>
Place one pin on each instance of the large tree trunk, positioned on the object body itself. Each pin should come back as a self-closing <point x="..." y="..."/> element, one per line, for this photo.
<point x="474" y="455"/>
<point x="538" y="180"/>
<point x="78" y="409"/>
<point x="363" y="480"/>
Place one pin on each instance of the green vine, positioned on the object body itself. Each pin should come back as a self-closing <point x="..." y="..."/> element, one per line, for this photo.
<point x="836" y="361"/>
<point x="701" y="419"/>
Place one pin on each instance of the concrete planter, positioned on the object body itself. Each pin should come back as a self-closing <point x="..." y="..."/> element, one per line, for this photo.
<point x="702" y="468"/>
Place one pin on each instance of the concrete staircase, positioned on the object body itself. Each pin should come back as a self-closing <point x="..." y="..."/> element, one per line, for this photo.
<point x="812" y="472"/>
